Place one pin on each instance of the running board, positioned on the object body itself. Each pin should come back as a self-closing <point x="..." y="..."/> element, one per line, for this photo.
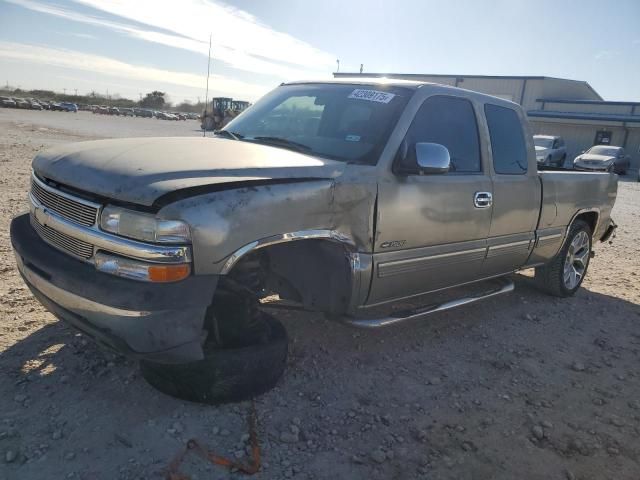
<point x="397" y="317"/>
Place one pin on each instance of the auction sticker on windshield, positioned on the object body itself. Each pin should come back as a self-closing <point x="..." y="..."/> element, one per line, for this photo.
<point x="372" y="95"/>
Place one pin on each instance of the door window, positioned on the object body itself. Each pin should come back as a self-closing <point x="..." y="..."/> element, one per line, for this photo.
<point x="507" y="140"/>
<point x="448" y="121"/>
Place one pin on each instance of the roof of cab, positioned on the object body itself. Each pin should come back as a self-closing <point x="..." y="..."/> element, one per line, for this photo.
<point x="363" y="81"/>
<point x="397" y="82"/>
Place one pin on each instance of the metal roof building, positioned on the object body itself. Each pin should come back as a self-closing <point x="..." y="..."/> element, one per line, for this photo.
<point x="555" y="106"/>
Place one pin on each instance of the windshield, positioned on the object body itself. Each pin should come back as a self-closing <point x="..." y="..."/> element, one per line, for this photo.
<point x="599" y="150"/>
<point x="350" y="123"/>
<point x="542" y="142"/>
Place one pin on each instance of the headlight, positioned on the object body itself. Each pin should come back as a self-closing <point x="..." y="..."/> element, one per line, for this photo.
<point x="143" y="226"/>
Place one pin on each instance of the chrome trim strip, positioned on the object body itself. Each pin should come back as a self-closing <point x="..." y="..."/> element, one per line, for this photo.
<point x="111" y="243"/>
<point x="71" y="301"/>
<point x="331" y="235"/>
<point x="551" y="236"/>
<point x="511" y="244"/>
<point x="72" y="198"/>
<point x="419" y="313"/>
<point x="410" y="265"/>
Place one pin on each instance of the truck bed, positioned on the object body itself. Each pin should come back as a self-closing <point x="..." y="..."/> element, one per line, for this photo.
<point x="565" y="192"/>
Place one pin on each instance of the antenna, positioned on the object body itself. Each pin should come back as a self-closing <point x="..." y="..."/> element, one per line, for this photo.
<point x="206" y="98"/>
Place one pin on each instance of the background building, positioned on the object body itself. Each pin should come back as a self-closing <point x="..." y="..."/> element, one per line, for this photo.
<point x="555" y="106"/>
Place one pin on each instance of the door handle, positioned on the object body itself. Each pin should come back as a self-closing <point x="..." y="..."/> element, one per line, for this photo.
<point x="482" y="199"/>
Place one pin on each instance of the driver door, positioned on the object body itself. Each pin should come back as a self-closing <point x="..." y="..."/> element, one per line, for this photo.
<point x="432" y="229"/>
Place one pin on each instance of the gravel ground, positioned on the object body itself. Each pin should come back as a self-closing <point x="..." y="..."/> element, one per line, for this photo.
<point x="520" y="386"/>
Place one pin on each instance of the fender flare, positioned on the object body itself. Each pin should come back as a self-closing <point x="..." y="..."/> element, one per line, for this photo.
<point x="330" y="235"/>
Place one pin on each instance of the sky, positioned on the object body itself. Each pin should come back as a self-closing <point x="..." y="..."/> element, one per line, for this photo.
<point x="131" y="47"/>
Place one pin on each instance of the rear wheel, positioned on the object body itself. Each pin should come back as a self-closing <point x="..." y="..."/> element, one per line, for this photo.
<point x="564" y="274"/>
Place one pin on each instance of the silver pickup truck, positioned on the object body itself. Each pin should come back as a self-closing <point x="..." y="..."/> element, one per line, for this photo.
<point x="334" y="196"/>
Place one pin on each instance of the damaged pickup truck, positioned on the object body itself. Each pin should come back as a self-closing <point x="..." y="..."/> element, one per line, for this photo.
<point x="333" y="196"/>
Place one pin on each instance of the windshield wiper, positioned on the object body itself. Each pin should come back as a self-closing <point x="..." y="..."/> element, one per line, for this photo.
<point x="284" y="142"/>
<point x="228" y="134"/>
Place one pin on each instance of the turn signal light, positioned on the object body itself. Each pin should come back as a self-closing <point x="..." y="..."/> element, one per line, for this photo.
<point x="169" y="273"/>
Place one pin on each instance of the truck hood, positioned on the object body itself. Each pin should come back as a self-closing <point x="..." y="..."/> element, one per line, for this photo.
<point x="140" y="170"/>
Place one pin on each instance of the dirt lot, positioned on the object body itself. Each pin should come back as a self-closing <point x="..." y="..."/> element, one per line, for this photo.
<point x="522" y="386"/>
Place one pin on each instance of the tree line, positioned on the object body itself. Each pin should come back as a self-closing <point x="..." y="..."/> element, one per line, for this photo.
<point x="155" y="100"/>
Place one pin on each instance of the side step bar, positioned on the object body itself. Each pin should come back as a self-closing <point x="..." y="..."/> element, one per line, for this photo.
<point x="397" y="317"/>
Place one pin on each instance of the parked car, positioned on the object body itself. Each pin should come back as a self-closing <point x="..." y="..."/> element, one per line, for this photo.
<point x="22" y="103"/>
<point x="69" y="107"/>
<point x="35" y="106"/>
<point x="114" y="111"/>
<point x="166" y="116"/>
<point x="550" y="150"/>
<point x="605" y="158"/>
<point x="126" y="112"/>
<point x="7" y="102"/>
<point x="101" y="110"/>
<point x="143" y="112"/>
<point x="167" y="249"/>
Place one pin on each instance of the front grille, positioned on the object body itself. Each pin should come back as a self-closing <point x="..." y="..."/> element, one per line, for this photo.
<point x="64" y="206"/>
<point x="63" y="241"/>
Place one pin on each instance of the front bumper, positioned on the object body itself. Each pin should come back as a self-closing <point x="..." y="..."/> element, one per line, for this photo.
<point x="591" y="167"/>
<point x="158" y="322"/>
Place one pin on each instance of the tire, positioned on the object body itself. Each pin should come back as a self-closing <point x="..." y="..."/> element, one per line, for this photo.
<point x="208" y="124"/>
<point x="561" y="161"/>
<point x="559" y="281"/>
<point x="225" y="374"/>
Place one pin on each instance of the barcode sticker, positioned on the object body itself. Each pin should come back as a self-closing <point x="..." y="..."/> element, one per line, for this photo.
<point x="372" y="95"/>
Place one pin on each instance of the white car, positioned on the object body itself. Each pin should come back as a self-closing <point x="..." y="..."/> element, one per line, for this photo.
<point x="606" y="158"/>
<point x="550" y="150"/>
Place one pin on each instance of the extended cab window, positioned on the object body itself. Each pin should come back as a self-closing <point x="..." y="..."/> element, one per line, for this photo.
<point x="507" y="140"/>
<point x="449" y="121"/>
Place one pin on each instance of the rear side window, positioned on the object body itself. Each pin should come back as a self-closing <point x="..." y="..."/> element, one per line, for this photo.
<point x="449" y="121"/>
<point x="507" y="140"/>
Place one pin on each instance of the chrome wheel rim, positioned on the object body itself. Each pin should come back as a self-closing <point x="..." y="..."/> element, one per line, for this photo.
<point x="575" y="264"/>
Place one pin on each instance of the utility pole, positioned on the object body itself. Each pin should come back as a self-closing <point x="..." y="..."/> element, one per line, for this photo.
<point x="206" y="100"/>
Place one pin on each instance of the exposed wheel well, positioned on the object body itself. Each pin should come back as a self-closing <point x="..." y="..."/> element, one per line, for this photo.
<point x="315" y="273"/>
<point x="591" y="218"/>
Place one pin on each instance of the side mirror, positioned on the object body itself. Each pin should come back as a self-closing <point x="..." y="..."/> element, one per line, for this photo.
<point x="432" y="158"/>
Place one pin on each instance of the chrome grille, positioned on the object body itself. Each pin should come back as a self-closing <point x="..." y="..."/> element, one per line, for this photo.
<point x="63" y="205"/>
<point x="62" y="241"/>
